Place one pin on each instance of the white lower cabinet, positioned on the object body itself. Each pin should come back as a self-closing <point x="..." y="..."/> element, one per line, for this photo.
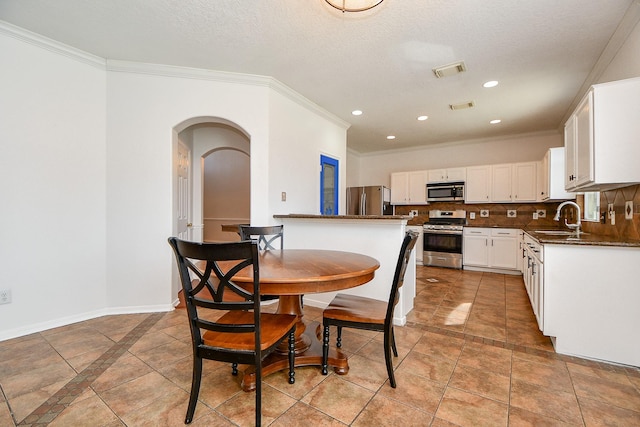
<point x="491" y="248"/>
<point x="588" y="296"/>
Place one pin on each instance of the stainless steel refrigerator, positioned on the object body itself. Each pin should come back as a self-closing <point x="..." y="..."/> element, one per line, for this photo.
<point x="369" y="200"/>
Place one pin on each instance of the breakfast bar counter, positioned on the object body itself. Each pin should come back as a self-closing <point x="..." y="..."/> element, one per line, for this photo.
<point x="379" y="237"/>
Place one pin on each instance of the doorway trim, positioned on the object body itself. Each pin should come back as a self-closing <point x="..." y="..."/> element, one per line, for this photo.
<point x="175" y="140"/>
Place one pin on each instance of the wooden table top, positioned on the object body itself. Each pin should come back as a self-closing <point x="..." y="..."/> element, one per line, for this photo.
<point x="305" y="271"/>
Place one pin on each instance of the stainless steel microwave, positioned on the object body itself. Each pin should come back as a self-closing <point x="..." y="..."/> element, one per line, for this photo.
<point x="445" y="192"/>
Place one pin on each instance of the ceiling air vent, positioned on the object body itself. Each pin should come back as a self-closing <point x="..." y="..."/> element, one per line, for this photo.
<point x="450" y="69"/>
<point x="461" y="106"/>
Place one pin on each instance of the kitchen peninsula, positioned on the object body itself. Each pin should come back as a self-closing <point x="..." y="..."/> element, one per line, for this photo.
<point x="377" y="236"/>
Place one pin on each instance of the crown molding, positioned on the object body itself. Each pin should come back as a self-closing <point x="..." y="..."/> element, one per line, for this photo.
<point x="629" y="21"/>
<point x="114" y="65"/>
<point x="223" y="77"/>
<point x="51" y="45"/>
<point x="482" y="140"/>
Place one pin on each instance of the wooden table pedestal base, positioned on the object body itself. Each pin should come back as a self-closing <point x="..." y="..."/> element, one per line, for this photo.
<point x="308" y="348"/>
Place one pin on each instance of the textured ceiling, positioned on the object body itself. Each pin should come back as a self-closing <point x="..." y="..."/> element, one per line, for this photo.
<point x="381" y="62"/>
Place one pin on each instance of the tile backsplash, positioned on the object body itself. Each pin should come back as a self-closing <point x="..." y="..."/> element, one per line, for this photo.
<point x="520" y="215"/>
<point x="516" y="215"/>
<point x="624" y="228"/>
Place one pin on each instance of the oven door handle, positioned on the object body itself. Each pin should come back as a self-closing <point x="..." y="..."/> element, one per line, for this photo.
<point x="452" y="232"/>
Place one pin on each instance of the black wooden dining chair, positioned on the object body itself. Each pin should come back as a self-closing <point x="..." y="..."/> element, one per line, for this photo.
<point x="266" y="236"/>
<point x="242" y="334"/>
<point x="351" y="311"/>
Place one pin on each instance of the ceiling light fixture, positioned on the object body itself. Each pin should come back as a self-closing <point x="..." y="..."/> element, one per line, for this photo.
<point x="357" y="112"/>
<point x="495" y="122"/>
<point x="391" y="137"/>
<point x="423" y="118"/>
<point x="353" y="5"/>
<point x="491" y="83"/>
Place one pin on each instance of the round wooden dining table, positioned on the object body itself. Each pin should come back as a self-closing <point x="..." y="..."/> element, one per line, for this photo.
<point x="291" y="273"/>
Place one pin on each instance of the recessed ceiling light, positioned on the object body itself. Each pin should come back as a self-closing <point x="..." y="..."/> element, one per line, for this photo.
<point x="423" y="118"/>
<point x="491" y="83"/>
<point x="391" y="137"/>
<point x="496" y="121"/>
<point x="356" y="112"/>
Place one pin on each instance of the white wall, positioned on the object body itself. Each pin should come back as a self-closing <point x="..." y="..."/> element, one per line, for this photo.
<point x="87" y="175"/>
<point x="52" y="175"/>
<point x="626" y="63"/>
<point x="297" y="140"/>
<point x="375" y="169"/>
<point x="142" y="110"/>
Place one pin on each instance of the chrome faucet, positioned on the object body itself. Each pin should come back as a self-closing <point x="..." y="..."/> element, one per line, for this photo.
<point x="575" y="226"/>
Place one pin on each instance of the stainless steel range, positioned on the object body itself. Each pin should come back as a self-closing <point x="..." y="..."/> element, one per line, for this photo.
<point x="443" y="238"/>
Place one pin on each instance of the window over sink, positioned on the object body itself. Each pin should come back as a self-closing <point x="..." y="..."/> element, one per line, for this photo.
<point x="591" y="206"/>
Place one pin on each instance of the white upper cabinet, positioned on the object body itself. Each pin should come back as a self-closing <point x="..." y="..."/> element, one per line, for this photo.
<point x="552" y="176"/>
<point x="524" y="182"/>
<point x="409" y="188"/>
<point x="601" y="138"/>
<point x="501" y="183"/>
<point x="515" y="182"/>
<point x="478" y="184"/>
<point x="447" y="175"/>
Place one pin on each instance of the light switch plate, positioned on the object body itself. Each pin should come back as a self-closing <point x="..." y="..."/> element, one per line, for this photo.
<point x="535" y="215"/>
<point x="484" y="213"/>
<point x="628" y="209"/>
<point x="472" y="215"/>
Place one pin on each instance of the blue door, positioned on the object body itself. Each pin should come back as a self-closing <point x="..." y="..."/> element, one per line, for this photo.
<point x="328" y="186"/>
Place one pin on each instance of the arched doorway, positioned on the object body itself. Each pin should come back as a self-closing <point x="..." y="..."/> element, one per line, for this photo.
<point x="201" y="136"/>
<point x="226" y="192"/>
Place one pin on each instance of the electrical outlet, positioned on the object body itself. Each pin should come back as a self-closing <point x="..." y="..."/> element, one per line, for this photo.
<point x="610" y="210"/>
<point x="283" y="196"/>
<point x="484" y="213"/>
<point x="535" y="215"/>
<point x="472" y="215"/>
<point x="628" y="210"/>
<point x="5" y="296"/>
<point x="541" y="213"/>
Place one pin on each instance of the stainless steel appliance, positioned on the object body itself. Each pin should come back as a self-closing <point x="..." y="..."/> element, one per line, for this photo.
<point x="369" y="200"/>
<point x="445" y="192"/>
<point x="443" y="238"/>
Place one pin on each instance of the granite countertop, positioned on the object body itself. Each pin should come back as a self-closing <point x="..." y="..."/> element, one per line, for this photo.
<point x="586" y="238"/>
<point x="311" y="216"/>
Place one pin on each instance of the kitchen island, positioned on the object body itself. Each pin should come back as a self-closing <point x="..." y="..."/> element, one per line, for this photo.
<point x="377" y="236"/>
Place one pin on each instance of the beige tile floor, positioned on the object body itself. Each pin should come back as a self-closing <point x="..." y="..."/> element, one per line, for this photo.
<point x="471" y="354"/>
